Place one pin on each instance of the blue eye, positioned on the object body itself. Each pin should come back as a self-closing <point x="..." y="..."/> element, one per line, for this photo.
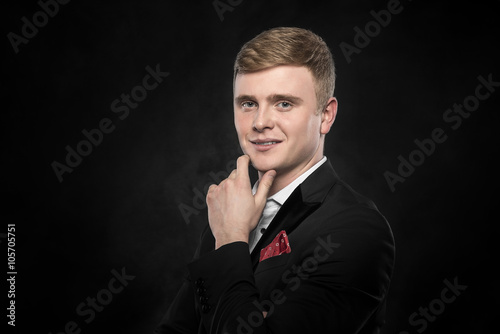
<point x="248" y="104"/>
<point x="284" y="105"/>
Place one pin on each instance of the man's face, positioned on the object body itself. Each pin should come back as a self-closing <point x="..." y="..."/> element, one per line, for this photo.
<point x="276" y="118"/>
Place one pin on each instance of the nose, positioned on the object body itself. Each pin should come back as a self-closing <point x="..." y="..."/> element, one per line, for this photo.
<point x="263" y="119"/>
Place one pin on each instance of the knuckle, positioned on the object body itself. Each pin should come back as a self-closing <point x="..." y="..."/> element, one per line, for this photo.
<point x="211" y="190"/>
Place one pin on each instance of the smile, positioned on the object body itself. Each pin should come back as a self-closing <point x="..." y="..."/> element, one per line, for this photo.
<point x="265" y="144"/>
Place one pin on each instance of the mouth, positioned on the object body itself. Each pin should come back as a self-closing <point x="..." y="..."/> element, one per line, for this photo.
<point x="264" y="144"/>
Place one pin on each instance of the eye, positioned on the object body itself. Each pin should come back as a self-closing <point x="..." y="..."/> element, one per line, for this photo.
<point x="249" y="105"/>
<point x="284" y="105"/>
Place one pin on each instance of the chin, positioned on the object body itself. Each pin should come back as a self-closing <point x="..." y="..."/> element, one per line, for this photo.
<point x="263" y="165"/>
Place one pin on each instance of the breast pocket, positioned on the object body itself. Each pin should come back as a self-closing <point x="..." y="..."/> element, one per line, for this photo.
<point x="272" y="263"/>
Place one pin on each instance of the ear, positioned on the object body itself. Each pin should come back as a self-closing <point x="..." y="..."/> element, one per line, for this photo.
<point x="328" y="115"/>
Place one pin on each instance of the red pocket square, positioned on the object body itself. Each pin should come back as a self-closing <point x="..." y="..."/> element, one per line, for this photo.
<point x="277" y="247"/>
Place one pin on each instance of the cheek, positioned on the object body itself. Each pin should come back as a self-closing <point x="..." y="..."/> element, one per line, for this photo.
<point x="238" y="124"/>
<point x="241" y="126"/>
<point x="300" y="130"/>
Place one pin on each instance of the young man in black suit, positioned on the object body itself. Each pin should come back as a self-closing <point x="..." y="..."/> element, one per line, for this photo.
<point x="301" y="252"/>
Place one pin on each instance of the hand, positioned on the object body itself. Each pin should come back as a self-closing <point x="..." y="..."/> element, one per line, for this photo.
<point x="233" y="212"/>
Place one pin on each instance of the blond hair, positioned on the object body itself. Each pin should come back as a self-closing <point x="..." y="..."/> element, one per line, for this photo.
<point x="290" y="46"/>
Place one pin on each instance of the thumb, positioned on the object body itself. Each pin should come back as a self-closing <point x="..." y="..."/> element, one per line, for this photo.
<point x="265" y="184"/>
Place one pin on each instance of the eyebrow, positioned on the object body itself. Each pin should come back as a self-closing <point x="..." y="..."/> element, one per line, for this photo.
<point x="271" y="98"/>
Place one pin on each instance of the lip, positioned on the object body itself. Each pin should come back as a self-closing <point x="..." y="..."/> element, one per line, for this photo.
<point x="258" y="144"/>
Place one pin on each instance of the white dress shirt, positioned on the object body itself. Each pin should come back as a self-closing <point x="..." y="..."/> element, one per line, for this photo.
<point x="274" y="203"/>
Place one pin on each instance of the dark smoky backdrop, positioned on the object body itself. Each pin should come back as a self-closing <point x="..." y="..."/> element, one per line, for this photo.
<point x="117" y="115"/>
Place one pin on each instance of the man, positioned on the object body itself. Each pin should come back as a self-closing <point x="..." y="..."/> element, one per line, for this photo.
<point x="301" y="252"/>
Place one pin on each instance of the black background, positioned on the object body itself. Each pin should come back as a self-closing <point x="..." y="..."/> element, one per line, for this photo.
<point x="120" y="207"/>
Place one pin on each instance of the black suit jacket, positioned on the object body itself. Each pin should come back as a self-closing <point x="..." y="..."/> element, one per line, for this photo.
<point x="334" y="280"/>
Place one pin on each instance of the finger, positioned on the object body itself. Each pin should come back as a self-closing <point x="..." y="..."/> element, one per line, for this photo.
<point x="242" y="167"/>
<point x="265" y="184"/>
<point x="232" y="176"/>
<point x="210" y="192"/>
<point x="211" y="188"/>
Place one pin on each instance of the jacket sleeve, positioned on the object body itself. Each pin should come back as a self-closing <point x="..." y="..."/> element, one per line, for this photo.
<point x="183" y="315"/>
<point x="339" y="282"/>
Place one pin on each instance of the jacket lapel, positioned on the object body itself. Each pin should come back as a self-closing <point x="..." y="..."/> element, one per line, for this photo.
<point x="303" y="201"/>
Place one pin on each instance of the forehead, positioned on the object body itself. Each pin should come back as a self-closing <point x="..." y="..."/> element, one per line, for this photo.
<point x="284" y="80"/>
